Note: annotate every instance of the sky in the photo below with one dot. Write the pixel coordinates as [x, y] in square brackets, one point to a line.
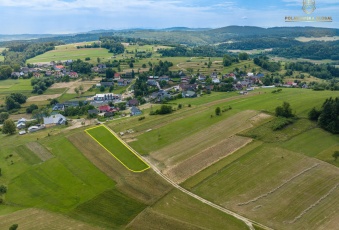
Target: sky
[74, 16]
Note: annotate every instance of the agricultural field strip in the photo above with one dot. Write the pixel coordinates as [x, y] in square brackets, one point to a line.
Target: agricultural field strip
[39, 150]
[315, 204]
[280, 186]
[122, 142]
[205, 158]
[35, 219]
[248, 222]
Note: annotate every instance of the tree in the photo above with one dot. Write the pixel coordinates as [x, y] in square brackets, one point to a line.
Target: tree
[3, 116]
[284, 110]
[77, 91]
[31, 108]
[335, 155]
[8, 127]
[243, 56]
[110, 73]
[11, 104]
[54, 101]
[14, 227]
[111, 88]
[217, 111]
[314, 114]
[98, 60]
[102, 89]
[3, 189]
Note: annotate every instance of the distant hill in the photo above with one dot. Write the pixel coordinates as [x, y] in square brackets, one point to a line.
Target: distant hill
[185, 35]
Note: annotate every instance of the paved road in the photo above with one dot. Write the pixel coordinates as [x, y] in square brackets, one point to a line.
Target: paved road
[247, 221]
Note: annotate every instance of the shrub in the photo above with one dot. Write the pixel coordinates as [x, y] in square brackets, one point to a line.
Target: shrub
[3, 189]
[281, 123]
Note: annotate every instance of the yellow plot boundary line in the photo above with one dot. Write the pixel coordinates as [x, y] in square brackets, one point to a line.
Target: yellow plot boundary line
[122, 142]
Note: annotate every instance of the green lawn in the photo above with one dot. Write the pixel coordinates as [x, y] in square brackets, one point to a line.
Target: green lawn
[117, 149]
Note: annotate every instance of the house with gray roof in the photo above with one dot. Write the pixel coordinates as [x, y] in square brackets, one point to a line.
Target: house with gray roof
[56, 119]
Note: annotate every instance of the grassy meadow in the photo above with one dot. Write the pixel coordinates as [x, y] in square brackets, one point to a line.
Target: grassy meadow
[117, 149]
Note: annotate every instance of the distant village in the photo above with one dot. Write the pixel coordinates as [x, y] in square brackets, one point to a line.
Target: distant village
[105, 104]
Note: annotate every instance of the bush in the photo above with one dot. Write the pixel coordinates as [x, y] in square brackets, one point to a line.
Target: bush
[141, 118]
[281, 122]
[3, 189]
[165, 109]
[30, 108]
[314, 114]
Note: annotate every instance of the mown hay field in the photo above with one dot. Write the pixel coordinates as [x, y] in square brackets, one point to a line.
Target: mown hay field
[118, 149]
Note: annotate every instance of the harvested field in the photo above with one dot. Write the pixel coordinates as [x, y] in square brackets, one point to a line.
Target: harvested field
[39, 150]
[43, 97]
[147, 187]
[205, 158]
[182, 150]
[36, 219]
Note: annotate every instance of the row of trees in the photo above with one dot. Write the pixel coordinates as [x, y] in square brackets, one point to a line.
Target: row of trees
[264, 63]
[184, 51]
[322, 71]
[112, 45]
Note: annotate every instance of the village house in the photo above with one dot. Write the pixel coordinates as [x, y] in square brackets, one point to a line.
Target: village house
[117, 76]
[73, 75]
[133, 102]
[107, 84]
[58, 107]
[189, 94]
[160, 96]
[135, 111]
[188, 87]
[123, 82]
[56, 119]
[59, 67]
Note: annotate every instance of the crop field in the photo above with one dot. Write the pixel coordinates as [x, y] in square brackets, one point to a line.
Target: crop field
[37, 219]
[122, 153]
[187, 150]
[179, 211]
[307, 195]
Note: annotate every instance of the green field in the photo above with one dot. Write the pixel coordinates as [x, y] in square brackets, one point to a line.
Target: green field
[106, 138]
